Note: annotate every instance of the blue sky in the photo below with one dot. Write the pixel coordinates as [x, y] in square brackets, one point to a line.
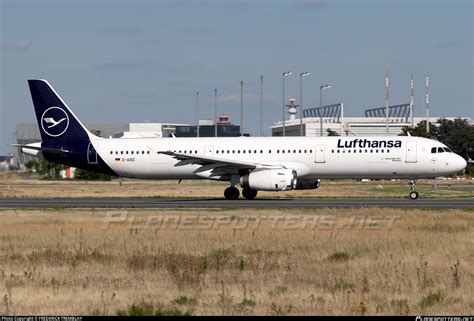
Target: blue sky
[124, 61]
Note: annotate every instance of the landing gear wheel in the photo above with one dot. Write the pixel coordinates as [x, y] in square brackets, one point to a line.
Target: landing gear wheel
[413, 195]
[231, 193]
[318, 183]
[249, 194]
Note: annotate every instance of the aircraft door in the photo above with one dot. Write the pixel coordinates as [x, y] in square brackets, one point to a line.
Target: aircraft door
[91, 154]
[411, 152]
[319, 154]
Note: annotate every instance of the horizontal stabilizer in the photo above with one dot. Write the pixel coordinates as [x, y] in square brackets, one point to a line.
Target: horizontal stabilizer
[41, 149]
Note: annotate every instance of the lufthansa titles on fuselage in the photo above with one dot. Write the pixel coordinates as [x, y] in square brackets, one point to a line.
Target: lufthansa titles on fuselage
[368, 143]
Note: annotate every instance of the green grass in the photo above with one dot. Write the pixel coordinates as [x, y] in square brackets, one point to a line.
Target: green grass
[148, 309]
[432, 299]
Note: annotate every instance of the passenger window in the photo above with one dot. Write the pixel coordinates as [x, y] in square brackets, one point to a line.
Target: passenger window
[433, 150]
[148, 152]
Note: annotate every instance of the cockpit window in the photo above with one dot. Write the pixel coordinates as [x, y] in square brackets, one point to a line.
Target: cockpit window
[440, 150]
[433, 150]
[447, 150]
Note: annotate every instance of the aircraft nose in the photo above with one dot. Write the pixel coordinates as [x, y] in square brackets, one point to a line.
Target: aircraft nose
[459, 163]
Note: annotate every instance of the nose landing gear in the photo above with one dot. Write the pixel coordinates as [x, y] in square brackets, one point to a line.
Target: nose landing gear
[413, 192]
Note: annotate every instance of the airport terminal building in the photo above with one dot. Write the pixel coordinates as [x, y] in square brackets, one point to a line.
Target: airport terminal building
[331, 117]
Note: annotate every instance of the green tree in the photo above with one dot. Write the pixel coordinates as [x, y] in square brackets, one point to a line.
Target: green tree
[50, 170]
[420, 130]
[457, 134]
[32, 165]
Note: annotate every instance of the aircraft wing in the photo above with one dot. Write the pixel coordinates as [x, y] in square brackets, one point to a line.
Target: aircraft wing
[204, 160]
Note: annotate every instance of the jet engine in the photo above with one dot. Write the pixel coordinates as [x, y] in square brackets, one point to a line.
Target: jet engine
[308, 183]
[270, 180]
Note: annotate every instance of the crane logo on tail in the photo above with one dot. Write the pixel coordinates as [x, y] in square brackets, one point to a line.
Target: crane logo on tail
[54, 121]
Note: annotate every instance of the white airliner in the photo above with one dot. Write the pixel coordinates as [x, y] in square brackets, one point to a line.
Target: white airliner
[254, 163]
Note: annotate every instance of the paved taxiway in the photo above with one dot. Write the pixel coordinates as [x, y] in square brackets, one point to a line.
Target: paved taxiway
[221, 203]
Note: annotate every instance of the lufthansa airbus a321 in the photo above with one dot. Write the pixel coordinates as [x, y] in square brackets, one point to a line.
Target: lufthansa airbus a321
[254, 163]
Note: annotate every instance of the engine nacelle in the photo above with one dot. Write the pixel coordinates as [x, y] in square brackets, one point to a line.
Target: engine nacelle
[308, 183]
[270, 180]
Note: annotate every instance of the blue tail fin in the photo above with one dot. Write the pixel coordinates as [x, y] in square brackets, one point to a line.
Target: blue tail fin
[55, 120]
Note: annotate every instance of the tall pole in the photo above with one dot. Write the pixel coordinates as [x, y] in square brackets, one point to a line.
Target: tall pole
[215, 112]
[197, 113]
[342, 119]
[427, 102]
[283, 101]
[386, 102]
[241, 108]
[321, 88]
[321, 111]
[261, 105]
[301, 100]
[411, 101]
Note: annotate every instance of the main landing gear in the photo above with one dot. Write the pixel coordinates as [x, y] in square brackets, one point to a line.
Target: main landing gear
[232, 193]
[249, 194]
[413, 192]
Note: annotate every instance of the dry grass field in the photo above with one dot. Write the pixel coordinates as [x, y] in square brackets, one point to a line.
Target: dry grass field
[13, 186]
[277, 262]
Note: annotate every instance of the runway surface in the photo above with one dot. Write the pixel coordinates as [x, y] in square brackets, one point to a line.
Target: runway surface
[221, 203]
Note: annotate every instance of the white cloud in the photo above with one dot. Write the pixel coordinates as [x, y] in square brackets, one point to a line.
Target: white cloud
[19, 45]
